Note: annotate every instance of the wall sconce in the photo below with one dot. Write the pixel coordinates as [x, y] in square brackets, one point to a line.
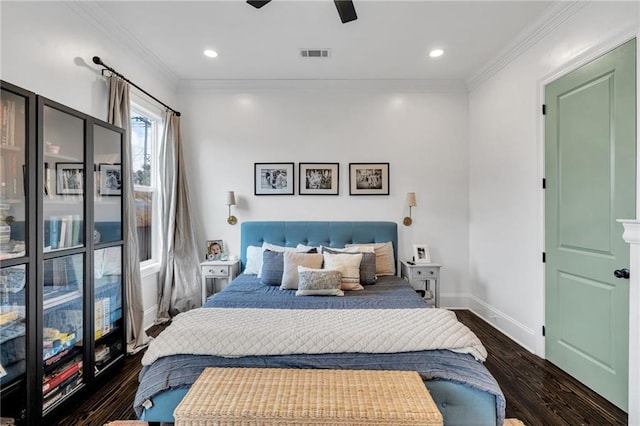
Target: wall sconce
[411, 202]
[231, 201]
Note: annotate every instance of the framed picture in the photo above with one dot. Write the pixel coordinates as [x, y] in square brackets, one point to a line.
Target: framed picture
[318, 178]
[421, 253]
[110, 179]
[215, 249]
[273, 178]
[69, 179]
[368, 178]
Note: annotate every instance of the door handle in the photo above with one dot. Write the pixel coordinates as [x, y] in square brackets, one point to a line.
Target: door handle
[621, 273]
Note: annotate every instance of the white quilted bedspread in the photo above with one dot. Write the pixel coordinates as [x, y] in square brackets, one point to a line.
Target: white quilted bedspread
[236, 332]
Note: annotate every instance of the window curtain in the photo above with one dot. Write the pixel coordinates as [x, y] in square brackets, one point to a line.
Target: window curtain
[180, 288]
[119, 114]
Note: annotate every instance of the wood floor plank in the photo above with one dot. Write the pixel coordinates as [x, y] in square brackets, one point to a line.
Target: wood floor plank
[537, 392]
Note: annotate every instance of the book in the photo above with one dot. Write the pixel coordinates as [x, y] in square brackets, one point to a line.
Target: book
[69, 235]
[57, 379]
[63, 233]
[53, 232]
[75, 233]
[97, 317]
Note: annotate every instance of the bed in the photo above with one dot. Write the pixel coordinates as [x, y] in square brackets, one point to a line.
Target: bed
[384, 326]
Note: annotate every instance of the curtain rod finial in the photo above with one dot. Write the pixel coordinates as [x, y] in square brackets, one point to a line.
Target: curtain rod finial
[97, 60]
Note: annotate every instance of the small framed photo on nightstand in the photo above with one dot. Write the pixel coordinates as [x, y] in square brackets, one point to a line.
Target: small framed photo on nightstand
[215, 250]
[421, 253]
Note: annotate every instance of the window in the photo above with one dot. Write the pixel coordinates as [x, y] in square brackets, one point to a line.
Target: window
[144, 162]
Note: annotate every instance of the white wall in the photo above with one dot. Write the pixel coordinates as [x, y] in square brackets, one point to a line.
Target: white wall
[423, 135]
[506, 168]
[46, 47]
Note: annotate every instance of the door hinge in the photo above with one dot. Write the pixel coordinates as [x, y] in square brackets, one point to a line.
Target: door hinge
[544, 183]
[544, 332]
[544, 109]
[544, 257]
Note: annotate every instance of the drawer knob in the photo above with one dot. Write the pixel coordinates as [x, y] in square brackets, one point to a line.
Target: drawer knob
[431, 272]
[419, 272]
[211, 271]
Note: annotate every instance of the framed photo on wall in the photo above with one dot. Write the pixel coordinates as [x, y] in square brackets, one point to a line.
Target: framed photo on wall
[69, 179]
[318, 178]
[421, 253]
[368, 178]
[273, 178]
[110, 179]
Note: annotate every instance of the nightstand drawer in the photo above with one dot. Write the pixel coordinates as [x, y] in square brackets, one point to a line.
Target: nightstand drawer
[423, 272]
[216, 271]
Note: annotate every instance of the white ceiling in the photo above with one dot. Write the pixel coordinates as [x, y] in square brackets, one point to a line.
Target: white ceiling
[389, 40]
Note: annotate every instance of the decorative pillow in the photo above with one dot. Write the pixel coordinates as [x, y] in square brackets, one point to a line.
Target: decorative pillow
[301, 248]
[385, 262]
[273, 247]
[254, 260]
[319, 282]
[272, 267]
[291, 263]
[367, 265]
[349, 266]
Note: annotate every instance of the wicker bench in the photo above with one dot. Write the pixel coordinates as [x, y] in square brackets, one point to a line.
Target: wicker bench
[273, 396]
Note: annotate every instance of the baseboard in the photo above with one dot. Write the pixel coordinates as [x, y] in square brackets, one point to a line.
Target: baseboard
[510, 327]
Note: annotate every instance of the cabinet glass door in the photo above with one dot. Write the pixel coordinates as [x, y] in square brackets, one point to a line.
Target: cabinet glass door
[63, 289]
[63, 327]
[107, 151]
[108, 287]
[64, 178]
[16, 105]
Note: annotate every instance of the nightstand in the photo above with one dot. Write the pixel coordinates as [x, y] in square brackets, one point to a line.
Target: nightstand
[420, 276]
[217, 269]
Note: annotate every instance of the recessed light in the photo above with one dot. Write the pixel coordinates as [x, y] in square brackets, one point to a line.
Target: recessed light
[436, 53]
[210, 53]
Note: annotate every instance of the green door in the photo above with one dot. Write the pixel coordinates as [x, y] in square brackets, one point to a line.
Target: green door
[590, 169]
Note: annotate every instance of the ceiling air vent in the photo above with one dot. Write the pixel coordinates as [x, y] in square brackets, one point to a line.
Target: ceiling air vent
[315, 53]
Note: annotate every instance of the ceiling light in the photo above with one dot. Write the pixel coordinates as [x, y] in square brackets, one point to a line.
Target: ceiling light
[210, 53]
[436, 52]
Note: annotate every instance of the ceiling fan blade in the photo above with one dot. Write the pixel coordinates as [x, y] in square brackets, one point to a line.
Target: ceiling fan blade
[346, 10]
[258, 3]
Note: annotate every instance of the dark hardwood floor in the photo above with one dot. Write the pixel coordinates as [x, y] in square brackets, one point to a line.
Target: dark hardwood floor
[537, 392]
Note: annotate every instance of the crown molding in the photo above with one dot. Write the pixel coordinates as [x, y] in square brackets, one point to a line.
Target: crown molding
[555, 15]
[401, 85]
[99, 18]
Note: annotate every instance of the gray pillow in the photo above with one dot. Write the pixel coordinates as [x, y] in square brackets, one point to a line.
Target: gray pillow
[367, 265]
[272, 267]
[319, 282]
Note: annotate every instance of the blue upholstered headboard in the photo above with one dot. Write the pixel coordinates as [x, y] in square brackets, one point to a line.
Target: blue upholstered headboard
[330, 234]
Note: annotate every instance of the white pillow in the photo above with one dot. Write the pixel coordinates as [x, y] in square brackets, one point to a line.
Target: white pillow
[254, 260]
[291, 262]
[349, 266]
[385, 262]
[301, 248]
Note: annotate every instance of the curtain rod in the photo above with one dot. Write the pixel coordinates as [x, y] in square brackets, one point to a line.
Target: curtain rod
[98, 61]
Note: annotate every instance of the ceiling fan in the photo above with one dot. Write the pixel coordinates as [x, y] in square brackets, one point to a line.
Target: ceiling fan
[346, 10]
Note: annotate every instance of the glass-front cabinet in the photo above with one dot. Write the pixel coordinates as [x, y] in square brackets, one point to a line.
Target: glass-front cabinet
[62, 310]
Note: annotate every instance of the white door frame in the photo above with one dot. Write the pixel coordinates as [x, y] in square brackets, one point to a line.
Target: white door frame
[634, 307]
